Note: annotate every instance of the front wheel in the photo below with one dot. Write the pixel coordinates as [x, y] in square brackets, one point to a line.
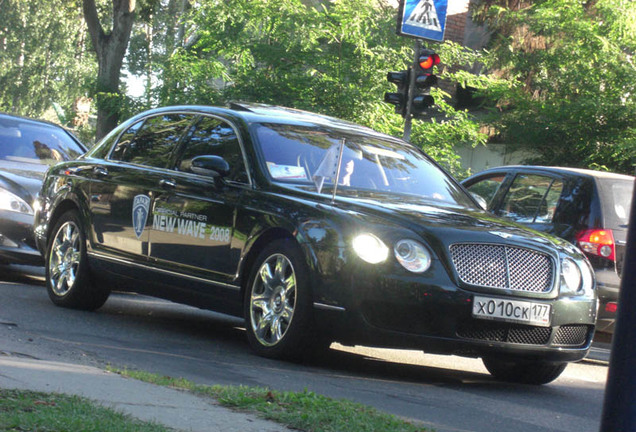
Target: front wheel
[277, 304]
[67, 274]
[523, 371]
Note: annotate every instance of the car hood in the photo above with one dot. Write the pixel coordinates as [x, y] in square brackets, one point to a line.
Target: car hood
[438, 222]
[23, 179]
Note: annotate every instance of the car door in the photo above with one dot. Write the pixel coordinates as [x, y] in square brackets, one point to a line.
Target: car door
[125, 184]
[193, 219]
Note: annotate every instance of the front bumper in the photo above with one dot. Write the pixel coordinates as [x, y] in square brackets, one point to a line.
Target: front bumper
[17, 243]
[433, 314]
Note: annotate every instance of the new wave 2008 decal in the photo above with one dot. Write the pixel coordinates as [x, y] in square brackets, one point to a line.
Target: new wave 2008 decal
[141, 204]
[188, 224]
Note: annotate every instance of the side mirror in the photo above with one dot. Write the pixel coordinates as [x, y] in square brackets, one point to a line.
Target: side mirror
[211, 166]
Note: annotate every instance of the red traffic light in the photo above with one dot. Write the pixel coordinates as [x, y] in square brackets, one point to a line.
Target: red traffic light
[428, 59]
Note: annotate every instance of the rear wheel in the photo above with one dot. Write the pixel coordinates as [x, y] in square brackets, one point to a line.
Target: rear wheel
[67, 274]
[277, 304]
[523, 371]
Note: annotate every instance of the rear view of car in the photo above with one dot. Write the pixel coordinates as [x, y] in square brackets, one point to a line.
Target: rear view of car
[27, 149]
[604, 241]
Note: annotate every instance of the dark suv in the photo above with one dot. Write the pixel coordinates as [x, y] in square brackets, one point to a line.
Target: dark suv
[587, 208]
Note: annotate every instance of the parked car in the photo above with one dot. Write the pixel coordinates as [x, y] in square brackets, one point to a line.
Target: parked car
[27, 148]
[587, 208]
[314, 230]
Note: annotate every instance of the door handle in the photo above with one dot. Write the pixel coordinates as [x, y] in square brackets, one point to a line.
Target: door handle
[167, 184]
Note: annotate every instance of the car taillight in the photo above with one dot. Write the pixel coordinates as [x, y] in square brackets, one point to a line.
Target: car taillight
[597, 242]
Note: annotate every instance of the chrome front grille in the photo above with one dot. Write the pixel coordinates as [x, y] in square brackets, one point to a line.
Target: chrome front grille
[505, 267]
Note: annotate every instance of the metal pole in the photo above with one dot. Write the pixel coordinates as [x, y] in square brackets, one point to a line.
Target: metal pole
[619, 407]
[408, 117]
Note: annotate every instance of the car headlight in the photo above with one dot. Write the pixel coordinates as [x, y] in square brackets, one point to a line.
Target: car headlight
[571, 275]
[587, 276]
[12, 202]
[370, 248]
[412, 255]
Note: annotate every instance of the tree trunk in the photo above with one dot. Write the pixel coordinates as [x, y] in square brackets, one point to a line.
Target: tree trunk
[110, 48]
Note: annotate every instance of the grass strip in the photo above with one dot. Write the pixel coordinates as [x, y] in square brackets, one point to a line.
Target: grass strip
[51, 412]
[304, 411]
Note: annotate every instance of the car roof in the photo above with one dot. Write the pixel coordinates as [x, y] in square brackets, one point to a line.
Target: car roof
[28, 120]
[262, 113]
[559, 170]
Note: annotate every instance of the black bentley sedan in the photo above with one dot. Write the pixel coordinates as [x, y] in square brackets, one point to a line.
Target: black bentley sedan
[314, 230]
[27, 148]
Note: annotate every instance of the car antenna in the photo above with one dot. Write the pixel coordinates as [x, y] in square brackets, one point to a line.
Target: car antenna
[335, 186]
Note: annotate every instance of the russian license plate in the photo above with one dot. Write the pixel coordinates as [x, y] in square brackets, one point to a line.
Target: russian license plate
[516, 311]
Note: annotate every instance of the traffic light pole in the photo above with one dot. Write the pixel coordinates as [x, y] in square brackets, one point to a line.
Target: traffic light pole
[408, 117]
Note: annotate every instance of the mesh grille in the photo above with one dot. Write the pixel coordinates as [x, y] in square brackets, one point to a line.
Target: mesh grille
[529, 335]
[572, 335]
[498, 266]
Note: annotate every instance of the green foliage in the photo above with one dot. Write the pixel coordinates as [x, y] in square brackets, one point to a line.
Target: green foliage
[43, 56]
[306, 411]
[331, 59]
[30, 411]
[571, 80]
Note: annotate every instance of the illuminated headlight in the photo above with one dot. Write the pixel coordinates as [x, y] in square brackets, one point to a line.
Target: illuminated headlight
[412, 255]
[571, 275]
[12, 202]
[370, 248]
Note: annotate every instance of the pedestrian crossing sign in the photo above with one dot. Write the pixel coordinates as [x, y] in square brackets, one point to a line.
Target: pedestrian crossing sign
[423, 19]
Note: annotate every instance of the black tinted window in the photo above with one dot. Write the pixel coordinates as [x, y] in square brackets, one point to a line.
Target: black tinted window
[214, 137]
[152, 142]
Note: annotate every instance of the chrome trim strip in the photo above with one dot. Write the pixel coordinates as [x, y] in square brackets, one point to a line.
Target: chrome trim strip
[329, 307]
[169, 272]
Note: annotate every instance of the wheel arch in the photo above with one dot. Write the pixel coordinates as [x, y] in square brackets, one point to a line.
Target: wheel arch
[265, 238]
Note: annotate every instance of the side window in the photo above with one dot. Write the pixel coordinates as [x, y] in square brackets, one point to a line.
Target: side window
[214, 137]
[487, 188]
[549, 204]
[532, 198]
[123, 148]
[153, 142]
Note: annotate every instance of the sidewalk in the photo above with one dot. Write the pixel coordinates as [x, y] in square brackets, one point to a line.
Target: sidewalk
[173, 408]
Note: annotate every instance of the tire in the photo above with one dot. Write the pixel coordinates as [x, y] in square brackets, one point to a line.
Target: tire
[277, 303]
[68, 279]
[535, 372]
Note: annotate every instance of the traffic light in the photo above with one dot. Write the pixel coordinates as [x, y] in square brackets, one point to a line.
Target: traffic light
[424, 80]
[401, 97]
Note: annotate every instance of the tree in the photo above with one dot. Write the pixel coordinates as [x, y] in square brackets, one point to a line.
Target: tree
[330, 58]
[43, 58]
[570, 79]
[110, 48]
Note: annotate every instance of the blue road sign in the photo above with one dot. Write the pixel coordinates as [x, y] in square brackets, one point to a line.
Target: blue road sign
[425, 19]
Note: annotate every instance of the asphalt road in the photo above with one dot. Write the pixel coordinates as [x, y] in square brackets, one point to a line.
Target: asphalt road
[446, 393]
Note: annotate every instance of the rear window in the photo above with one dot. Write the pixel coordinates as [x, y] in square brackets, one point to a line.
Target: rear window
[616, 196]
[36, 143]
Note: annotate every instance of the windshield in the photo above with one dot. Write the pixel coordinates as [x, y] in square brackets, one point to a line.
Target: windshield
[309, 155]
[36, 143]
